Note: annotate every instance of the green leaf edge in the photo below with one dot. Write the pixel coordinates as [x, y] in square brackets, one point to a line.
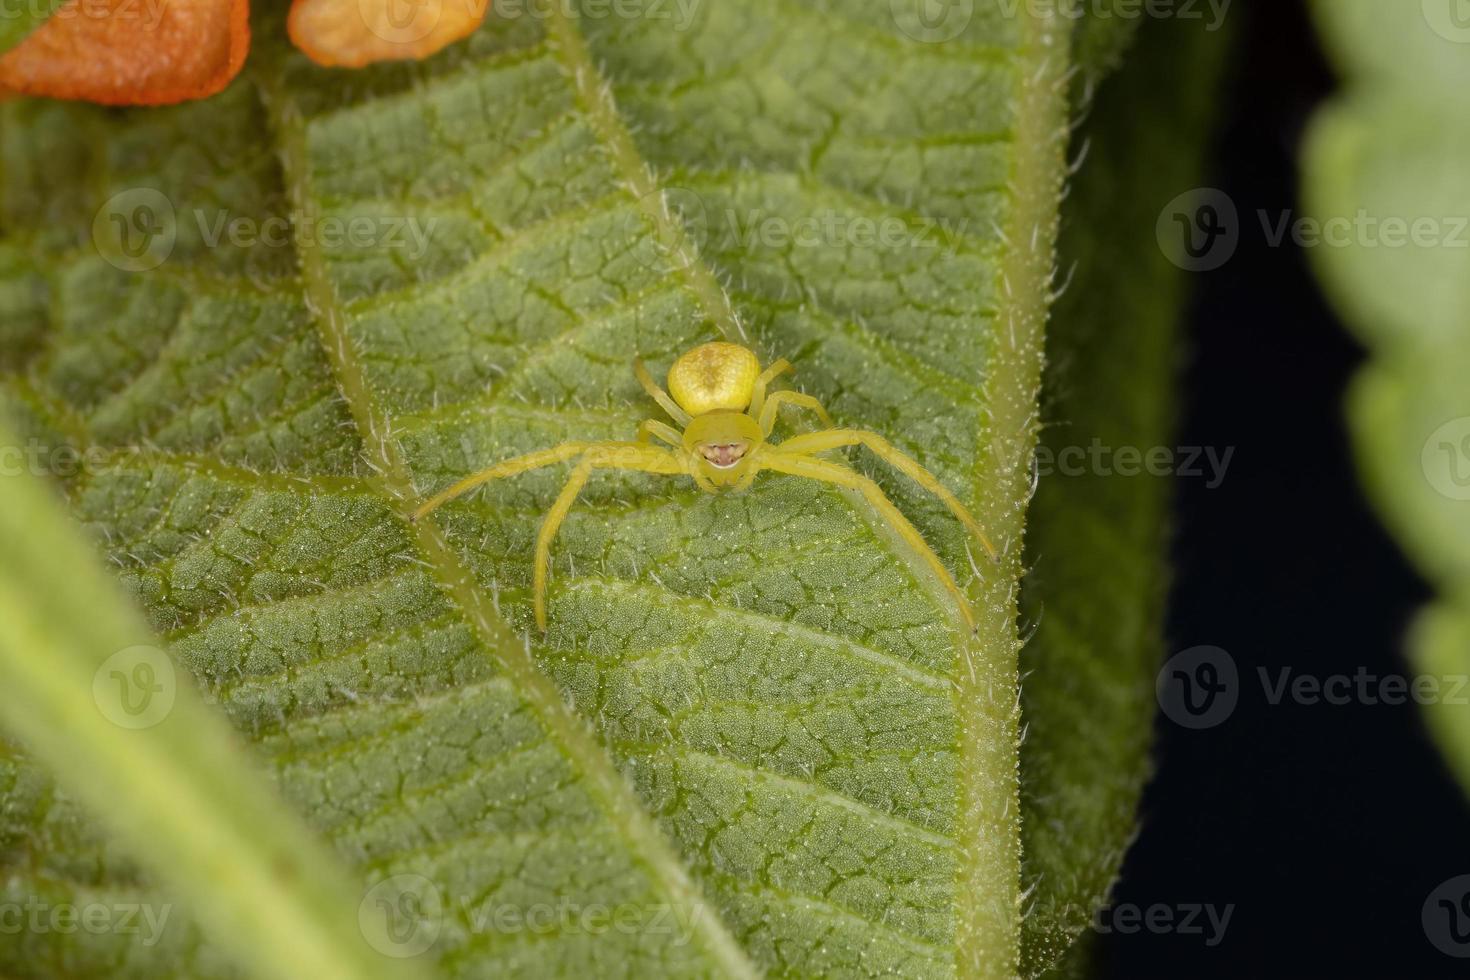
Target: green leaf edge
[1086, 757]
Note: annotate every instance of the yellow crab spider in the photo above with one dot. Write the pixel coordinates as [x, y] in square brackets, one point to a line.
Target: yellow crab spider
[717, 394]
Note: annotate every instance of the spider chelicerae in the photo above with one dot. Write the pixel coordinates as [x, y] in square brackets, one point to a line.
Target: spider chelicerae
[718, 394]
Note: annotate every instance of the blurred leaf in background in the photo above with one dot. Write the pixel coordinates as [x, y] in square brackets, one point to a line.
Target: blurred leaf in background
[1385, 172]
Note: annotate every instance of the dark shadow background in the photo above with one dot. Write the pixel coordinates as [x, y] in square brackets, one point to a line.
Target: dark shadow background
[1327, 827]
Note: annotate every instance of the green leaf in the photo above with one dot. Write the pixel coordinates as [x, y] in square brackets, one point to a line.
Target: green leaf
[161, 768]
[18, 20]
[1386, 162]
[1098, 541]
[753, 737]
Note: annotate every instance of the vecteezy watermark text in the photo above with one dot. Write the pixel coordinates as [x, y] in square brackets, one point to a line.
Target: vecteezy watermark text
[309, 229]
[1098, 459]
[406, 914]
[1213, 12]
[36, 915]
[937, 21]
[39, 457]
[137, 229]
[1205, 920]
[760, 229]
[1202, 919]
[147, 12]
[1365, 230]
[679, 13]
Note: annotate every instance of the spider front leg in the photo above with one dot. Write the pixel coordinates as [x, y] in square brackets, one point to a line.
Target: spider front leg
[818, 469]
[758, 392]
[652, 429]
[658, 394]
[795, 398]
[816, 442]
[603, 456]
[508, 467]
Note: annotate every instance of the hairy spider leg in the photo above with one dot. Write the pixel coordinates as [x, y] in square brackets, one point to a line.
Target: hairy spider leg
[816, 442]
[664, 399]
[758, 391]
[652, 428]
[508, 467]
[795, 399]
[604, 456]
[825, 472]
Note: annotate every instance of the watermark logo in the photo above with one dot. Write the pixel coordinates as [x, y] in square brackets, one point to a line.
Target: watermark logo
[401, 21]
[135, 687]
[681, 231]
[1199, 687]
[402, 916]
[1446, 459]
[1450, 19]
[932, 21]
[1199, 230]
[136, 229]
[1446, 917]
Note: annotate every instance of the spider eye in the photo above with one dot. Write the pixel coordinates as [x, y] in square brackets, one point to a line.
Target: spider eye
[714, 377]
[723, 454]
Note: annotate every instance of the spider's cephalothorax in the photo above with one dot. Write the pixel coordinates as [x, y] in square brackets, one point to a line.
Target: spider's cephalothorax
[717, 393]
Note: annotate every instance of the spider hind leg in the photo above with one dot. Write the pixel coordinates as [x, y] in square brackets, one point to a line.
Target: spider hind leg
[816, 442]
[603, 456]
[827, 472]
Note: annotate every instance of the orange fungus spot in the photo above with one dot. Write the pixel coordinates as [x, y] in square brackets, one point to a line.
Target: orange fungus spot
[353, 33]
[131, 52]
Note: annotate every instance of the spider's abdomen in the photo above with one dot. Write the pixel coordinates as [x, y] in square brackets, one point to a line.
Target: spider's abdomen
[713, 377]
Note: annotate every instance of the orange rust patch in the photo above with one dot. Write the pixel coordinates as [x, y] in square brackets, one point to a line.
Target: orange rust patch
[353, 33]
[131, 52]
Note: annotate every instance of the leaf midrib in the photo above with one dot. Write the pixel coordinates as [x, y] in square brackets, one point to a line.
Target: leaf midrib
[510, 653]
[594, 95]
